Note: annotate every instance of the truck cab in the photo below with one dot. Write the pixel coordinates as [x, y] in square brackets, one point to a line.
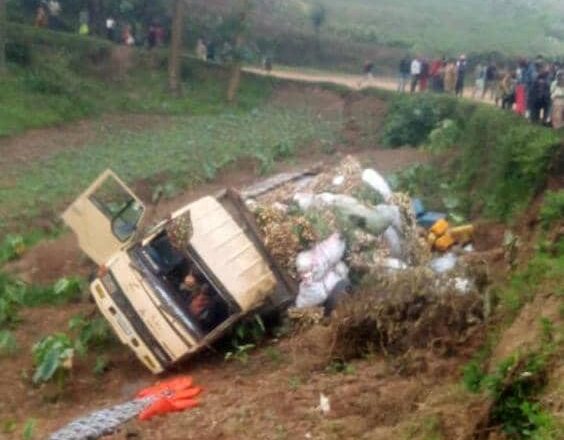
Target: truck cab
[141, 286]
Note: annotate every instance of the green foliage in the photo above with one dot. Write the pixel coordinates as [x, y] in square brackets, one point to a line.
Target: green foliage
[67, 288]
[52, 357]
[240, 353]
[90, 333]
[503, 160]
[340, 367]
[473, 376]
[12, 295]
[15, 294]
[192, 149]
[543, 267]
[444, 137]
[29, 429]
[411, 119]
[513, 386]
[12, 248]
[101, 365]
[515, 408]
[317, 15]
[8, 343]
[246, 336]
[552, 210]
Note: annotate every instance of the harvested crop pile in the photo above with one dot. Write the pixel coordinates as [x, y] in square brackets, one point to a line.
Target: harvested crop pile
[285, 236]
[415, 309]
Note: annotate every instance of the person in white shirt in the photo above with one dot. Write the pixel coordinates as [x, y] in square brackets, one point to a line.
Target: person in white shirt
[415, 73]
[111, 28]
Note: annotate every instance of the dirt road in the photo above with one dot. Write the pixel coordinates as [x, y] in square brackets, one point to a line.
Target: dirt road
[354, 82]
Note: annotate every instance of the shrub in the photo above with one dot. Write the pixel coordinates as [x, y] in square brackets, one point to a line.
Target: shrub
[411, 119]
[503, 160]
[18, 53]
[552, 209]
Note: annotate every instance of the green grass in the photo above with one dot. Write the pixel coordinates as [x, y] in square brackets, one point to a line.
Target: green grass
[52, 93]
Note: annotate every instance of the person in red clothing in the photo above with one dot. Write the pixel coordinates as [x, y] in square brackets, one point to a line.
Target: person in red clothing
[424, 78]
[437, 73]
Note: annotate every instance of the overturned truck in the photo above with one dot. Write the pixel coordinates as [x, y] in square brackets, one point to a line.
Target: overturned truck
[175, 289]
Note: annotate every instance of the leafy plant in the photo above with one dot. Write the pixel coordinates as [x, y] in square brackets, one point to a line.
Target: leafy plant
[67, 287]
[8, 343]
[101, 365]
[12, 248]
[444, 137]
[240, 352]
[473, 376]
[246, 337]
[91, 333]
[552, 210]
[53, 358]
[29, 429]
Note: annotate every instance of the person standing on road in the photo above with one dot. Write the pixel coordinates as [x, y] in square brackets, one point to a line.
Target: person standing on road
[507, 88]
[437, 73]
[415, 71]
[491, 78]
[460, 75]
[479, 80]
[450, 77]
[521, 89]
[404, 72]
[557, 95]
[41, 18]
[111, 28]
[529, 77]
[424, 77]
[540, 98]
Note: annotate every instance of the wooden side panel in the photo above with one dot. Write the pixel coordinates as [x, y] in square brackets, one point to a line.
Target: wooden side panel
[230, 254]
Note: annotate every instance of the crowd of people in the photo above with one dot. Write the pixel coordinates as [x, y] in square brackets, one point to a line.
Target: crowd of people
[48, 15]
[531, 88]
[439, 75]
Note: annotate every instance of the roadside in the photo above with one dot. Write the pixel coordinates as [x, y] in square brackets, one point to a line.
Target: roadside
[354, 82]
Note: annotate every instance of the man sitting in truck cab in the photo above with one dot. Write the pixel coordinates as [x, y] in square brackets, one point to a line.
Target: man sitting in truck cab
[202, 302]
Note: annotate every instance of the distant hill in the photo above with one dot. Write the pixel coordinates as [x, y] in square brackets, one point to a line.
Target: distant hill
[383, 29]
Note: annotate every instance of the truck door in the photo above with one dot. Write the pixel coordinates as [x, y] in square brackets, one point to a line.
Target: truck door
[105, 217]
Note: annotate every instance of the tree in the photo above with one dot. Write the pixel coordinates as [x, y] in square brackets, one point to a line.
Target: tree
[318, 16]
[96, 11]
[175, 57]
[3, 24]
[240, 30]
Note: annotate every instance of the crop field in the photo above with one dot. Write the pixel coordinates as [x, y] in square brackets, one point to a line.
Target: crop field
[189, 150]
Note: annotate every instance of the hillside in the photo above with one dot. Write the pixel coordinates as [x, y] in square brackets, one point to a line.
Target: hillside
[355, 30]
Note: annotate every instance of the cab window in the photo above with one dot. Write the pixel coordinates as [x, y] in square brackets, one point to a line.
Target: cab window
[119, 206]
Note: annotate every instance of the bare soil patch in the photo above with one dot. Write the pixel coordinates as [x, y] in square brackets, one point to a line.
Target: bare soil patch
[40, 144]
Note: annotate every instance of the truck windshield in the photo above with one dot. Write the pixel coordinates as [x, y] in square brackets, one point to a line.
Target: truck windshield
[164, 256]
[186, 285]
